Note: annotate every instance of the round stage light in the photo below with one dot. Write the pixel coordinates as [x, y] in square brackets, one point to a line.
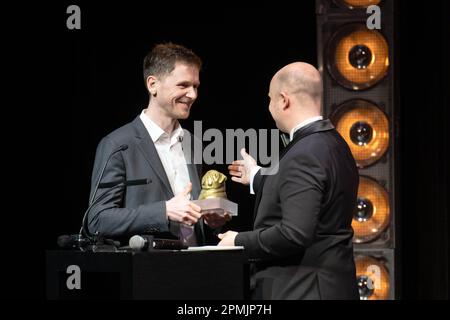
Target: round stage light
[372, 278]
[365, 128]
[357, 58]
[372, 212]
[352, 4]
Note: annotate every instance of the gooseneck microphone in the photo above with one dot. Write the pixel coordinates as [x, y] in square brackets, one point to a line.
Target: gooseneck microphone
[85, 240]
[84, 230]
[121, 148]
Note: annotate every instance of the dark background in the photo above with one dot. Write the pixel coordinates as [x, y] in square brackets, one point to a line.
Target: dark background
[94, 84]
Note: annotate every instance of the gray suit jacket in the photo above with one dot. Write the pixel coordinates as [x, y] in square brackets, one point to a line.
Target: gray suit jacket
[140, 209]
[302, 238]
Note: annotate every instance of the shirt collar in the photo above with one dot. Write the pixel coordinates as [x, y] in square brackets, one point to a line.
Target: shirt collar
[302, 124]
[156, 132]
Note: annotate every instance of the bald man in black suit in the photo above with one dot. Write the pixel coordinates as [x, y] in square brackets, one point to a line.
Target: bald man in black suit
[301, 244]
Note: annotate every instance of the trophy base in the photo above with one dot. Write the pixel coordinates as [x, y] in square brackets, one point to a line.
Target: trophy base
[217, 205]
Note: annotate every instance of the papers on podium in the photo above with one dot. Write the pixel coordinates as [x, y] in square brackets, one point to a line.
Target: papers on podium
[214, 248]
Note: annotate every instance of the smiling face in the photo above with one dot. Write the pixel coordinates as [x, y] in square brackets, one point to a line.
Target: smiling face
[177, 91]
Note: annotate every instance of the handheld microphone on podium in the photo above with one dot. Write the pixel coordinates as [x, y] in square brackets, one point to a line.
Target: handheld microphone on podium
[93, 200]
[141, 243]
[148, 242]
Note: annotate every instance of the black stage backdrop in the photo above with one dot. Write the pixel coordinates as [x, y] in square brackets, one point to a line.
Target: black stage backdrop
[95, 85]
[424, 85]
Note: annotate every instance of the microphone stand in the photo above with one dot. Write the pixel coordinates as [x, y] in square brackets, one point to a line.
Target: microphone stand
[116, 184]
[96, 242]
[84, 240]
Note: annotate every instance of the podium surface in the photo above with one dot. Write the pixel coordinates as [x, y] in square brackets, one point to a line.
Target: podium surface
[156, 274]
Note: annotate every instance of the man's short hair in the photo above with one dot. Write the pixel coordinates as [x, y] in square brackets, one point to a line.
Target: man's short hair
[161, 59]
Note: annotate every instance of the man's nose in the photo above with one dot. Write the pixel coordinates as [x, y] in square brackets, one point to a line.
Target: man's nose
[192, 93]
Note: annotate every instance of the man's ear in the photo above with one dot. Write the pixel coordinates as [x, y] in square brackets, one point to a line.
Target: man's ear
[285, 102]
[151, 85]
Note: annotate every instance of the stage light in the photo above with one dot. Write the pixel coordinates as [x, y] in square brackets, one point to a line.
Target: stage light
[372, 278]
[359, 68]
[357, 58]
[365, 128]
[372, 212]
[352, 4]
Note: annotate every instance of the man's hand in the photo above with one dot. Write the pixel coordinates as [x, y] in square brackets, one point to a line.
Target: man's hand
[215, 220]
[227, 238]
[240, 169]
[180, 209]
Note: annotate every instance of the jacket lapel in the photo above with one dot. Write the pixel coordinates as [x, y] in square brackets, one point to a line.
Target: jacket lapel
[193, 175]
[317, 126]
[147, 147]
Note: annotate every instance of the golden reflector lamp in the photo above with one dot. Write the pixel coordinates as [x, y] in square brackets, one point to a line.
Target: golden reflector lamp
[365, 128]
[357, 58]
[372, 278]
[352, 4]
[371, 215]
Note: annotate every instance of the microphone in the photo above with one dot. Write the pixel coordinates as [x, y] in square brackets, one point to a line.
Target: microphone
[77, 241]
[121, 148]
[141, 243]
[84, 240]
[72, 241]
[148, 243]
[83, 229]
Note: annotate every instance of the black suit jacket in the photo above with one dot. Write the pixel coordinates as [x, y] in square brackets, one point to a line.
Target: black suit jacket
[301, 245]
[141, 209]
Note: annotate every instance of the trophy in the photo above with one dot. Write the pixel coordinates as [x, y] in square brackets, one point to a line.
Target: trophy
[213, 197]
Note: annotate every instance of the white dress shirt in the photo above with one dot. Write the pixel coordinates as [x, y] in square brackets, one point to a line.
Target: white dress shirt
[302, 124]
[291, 136]
[170, 152]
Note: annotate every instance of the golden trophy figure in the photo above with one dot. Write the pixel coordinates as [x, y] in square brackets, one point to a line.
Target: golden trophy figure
[213, 197]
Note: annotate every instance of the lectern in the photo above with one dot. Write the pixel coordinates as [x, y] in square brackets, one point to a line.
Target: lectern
[156, 274]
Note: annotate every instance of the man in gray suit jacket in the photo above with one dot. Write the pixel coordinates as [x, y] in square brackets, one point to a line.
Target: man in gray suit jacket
[154, 152]
[301, 244]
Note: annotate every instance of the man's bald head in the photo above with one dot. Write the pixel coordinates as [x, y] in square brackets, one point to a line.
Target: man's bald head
[301, 81]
